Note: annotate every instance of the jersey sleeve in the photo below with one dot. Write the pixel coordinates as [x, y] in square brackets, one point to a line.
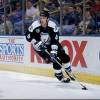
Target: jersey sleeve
[55, 34]
[55, 40]
[28, 35]
[30, 31]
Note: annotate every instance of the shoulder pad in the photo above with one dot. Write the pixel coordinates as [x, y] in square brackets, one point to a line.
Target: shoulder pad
[34, 25]
[53, 25]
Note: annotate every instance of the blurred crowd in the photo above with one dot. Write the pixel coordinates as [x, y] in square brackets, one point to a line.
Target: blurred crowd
[70, 15]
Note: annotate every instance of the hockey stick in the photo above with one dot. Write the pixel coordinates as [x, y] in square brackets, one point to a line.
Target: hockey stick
[69, 74]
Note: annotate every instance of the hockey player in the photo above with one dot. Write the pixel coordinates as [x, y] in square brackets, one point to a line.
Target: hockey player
[44, 35]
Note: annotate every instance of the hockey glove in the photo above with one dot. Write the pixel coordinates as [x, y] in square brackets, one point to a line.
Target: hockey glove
[53, 56]
[53, 53]
[38, 46]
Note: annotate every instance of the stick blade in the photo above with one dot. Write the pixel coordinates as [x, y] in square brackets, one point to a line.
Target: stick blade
[84, 88]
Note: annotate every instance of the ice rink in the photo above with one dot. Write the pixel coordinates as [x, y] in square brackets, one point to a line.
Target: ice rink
[24, 86]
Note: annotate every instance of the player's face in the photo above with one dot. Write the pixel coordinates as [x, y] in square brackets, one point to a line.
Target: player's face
[43, 21]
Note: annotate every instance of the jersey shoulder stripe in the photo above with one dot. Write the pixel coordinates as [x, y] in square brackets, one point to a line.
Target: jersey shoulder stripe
[53, 25]
[34, 25]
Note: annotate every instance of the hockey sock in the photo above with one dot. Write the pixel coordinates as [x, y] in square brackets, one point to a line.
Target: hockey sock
[67, 67]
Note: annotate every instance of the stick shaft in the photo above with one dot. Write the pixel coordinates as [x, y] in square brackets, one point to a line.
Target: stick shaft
[69, 74]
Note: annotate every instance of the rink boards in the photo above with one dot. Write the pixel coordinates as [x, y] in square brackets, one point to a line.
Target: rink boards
[16, 54]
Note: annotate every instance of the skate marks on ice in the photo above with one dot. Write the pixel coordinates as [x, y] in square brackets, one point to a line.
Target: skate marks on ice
[53, 83]
[42, 80]
[33, 79]
[1, 93]
[22, 86]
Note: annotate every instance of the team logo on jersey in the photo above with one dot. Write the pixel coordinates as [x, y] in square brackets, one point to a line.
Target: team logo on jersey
[37, 30]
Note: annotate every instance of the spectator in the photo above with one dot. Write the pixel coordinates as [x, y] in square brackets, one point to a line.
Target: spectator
[89, 3]
[79, 14]
[34, 1]
[16, 18]
[66, 2]
[96, 6]
[69, 21]
[76, 1]
[30, 14]
[72, 17]
[6, 28]
[31, 11]
[71, 1]
[90, 24]
[96, 12]
[52, 5]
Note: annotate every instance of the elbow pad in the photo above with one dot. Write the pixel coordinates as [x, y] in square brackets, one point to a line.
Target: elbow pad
[28, 36]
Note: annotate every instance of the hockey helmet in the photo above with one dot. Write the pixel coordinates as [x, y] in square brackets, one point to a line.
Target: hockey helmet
[44, 13]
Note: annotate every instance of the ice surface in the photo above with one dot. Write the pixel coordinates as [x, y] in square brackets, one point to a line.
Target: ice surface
[24, 86]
